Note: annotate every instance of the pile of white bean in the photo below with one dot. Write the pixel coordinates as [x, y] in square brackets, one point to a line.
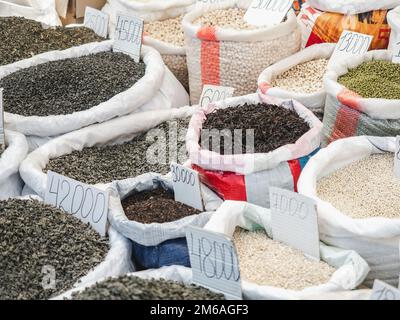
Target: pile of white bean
[168, 30]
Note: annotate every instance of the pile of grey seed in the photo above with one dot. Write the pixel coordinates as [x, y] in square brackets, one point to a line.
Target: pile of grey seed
[152, 151]
[70, 85]
[364, 189]
[38, 244]
[135, 288]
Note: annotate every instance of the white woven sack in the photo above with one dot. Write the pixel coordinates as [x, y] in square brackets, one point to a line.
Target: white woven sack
[116, 131]
[375, 239]
[155, 233]
[157, 89]
[16, 151]
[312, 101]
[393, 18]
[352, 6]
[43, 11]
[234, 58]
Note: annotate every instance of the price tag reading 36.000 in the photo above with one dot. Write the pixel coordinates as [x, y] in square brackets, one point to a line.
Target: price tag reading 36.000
[97, 21]
[87, 203]
[214, 262]
[128, 35]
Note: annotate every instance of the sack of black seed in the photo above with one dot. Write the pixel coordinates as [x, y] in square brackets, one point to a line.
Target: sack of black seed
[60, 253]
[149, 215]
[61, 91]
[242, 146]
[16, 150]
[115, 150]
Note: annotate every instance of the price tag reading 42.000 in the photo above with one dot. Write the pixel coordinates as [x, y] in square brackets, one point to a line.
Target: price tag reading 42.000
[128, 35]
[97, 21]
[214, 93]
[85, 202]
[383, 291]
[214, 262]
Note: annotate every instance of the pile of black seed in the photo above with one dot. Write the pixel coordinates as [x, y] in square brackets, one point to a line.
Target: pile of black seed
[155, 206]
[69, 85]
[116, 162]
[134, 288]
[274, 126]
[34, 236]
[21, 38]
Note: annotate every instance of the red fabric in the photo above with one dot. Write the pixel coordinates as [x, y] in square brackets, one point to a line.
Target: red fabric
[349, 98]
[221, 182]
[295, 169]
[313, 39]
[209, 59]
[346, 124]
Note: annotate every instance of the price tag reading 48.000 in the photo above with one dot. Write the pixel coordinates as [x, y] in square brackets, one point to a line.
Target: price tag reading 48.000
[85, 202]
[214, 262]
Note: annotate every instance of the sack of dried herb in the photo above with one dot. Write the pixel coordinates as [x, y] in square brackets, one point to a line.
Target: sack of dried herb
[71, 107]
[362, 97]
[284, 134]
[118, 149]
[10, 160]
[356, 191]
[154, 221]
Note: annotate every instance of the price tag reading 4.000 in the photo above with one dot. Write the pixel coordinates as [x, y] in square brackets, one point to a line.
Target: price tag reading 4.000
[214, 93]
[383, 291]
[128, 35]
[214, 262]
[97, 21]
[83, 201]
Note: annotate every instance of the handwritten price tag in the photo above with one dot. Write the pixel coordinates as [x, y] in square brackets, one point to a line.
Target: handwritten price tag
[294, 221]
[85, 202]
[396, 51]
[267, 12]
[350, 44]
[2, 134]
[383, 291]
[214, 262]
[186, 184]
[200, 3]
[397, 158]
[97, 21]
[214, 93]
[128, 35]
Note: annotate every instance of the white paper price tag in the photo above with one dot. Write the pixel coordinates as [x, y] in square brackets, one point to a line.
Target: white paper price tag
[2, 134]
[396, 51]
[83, 201]
[128, 35]
[350, 44]
[214, 93]
[186, 184]
[97, 21]
[201, 3]
[294, 221]
[267, 12]
[384, 291]
[214, 262]
[397, 158]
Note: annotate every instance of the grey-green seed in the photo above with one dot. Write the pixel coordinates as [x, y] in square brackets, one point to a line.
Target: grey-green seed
[34, 235]
[116, 162]
[70, 85]
[135, 288]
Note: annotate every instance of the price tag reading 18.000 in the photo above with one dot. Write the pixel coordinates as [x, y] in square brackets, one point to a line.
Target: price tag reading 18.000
[294, 221]
[186, 184]
[85, 202]
[214, 262]
[214, 93]
[2, 135]
[350, 44]
[97, 21]
[267, 12]
[383, 291]
[128, 35]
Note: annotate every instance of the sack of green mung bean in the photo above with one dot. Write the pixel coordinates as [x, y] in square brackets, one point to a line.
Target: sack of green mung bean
[40, 10]
[363, 97]
[222, 49]
[357, 195]
[149, 216]
[16, 149]
[393, 18]
[299, 77]
[115, 150]
[243, 145]
[62, 91]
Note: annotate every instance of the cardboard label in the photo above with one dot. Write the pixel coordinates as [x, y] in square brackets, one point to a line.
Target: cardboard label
[384, 291]
[294, 221]
[396, 50]
[186, 184]
[214, 262]
[97, 21]
[267, 12]
[350, 44]
[83, 201]
[128, 35]
[214, 93]
[397, 158]
[2, 134]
